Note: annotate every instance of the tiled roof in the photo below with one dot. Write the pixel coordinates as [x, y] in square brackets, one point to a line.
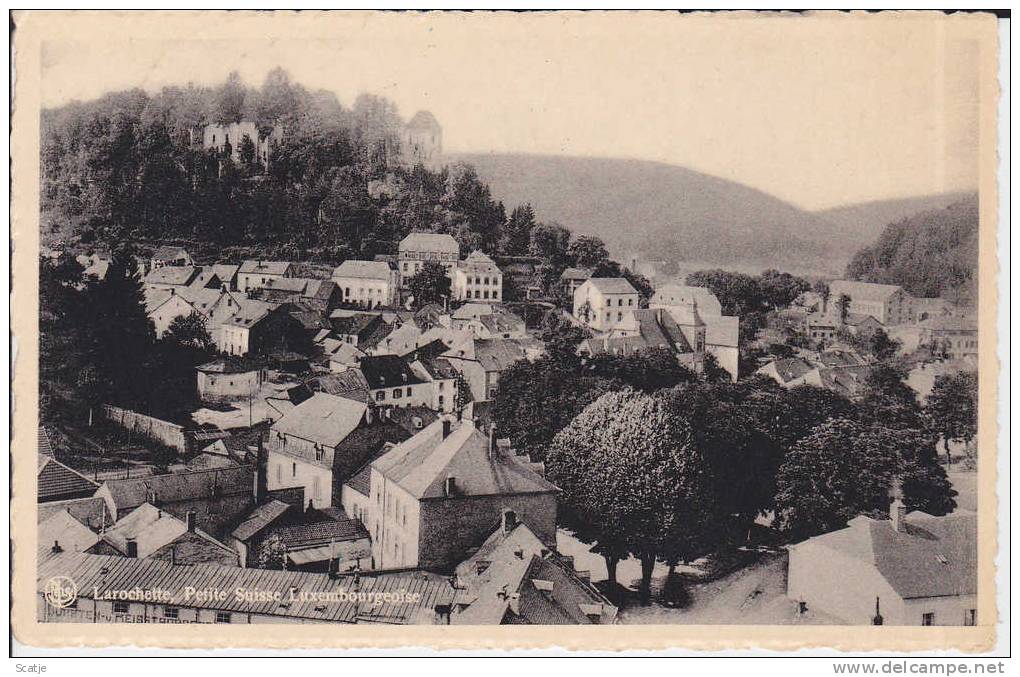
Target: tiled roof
[930, 556]
[106, 573]
[369, 270]
[177, 487]
[264, 267]
[430, 242]
[324, 419]
[387, 371]
[45, 447]
[422, 464]
[56, 480]
[329, 525]
[612, 285]
[174, 275]
[225, 271]
[259, 518]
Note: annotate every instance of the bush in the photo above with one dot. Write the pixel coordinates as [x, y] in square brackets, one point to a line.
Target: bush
[675, 594]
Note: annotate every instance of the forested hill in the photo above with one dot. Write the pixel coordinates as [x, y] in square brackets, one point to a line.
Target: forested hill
[131, 165]
[934, 253]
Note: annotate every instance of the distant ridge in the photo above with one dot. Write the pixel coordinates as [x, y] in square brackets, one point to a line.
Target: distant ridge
[867, 220]
[660, 211]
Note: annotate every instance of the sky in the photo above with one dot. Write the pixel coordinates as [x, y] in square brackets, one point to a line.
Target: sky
[818, 111]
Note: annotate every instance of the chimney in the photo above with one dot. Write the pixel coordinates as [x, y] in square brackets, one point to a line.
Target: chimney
[447, 426]
[451, 486]
[189, 520]
[443, 614]
[56, 549]
[509, 521]
[492, 440]
[132, 547]
[898, 515]
[308, 508]
[261, 468]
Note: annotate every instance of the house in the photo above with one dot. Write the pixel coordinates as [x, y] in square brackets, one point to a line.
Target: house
[225, 379]
[169, 255]
[62, 532]
[887, 303]
[649, 328]
[829, 326]
[90, 511]
[321, 296]
[341, 356]
[57, 482]
[678, 295]
[227, 274]
[360, 329]
[169, 277]
[428, 363]
[572, 278]
[217, 497]
[402, 339]
[421, 140]
[322, 540]
[912, 569]
[417, 248]
[99, 578]
[481, 361]
[951, 336]
[259, 328]
[495, 324]
[787, 372]
[164, 306]
[477, 277]
[254, 274]
[368, 284]
[433, 498]
[392, 382]
[601, 302]
[151, 533]
[305, 446]
[516, 578]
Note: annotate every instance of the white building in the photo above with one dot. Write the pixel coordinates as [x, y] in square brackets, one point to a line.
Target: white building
[303, 445]
[477, 278]
[367, 283]
[915, 569]
[254, 274]
[887, 303]
[602, 302]
[417, 248]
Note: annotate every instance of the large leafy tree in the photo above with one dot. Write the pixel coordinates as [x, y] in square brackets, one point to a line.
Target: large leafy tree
[845, 468]
[429, 285]
[630, 470]
[587, 251]
[951, 408]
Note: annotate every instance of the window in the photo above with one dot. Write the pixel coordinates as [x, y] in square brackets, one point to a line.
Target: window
[293, 469]
[408, 391]
[630, 302]
[440, 401]
[928, 618]
[970, 617]
[396, 393]
[279, 472]
[619, 316]
[380, 396]
[171, 612]
[120, 607]
[222, 616]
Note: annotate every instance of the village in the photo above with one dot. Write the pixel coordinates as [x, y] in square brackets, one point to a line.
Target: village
[346, 440]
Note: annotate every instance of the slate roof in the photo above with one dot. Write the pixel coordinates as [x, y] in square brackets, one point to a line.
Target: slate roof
[387, 371]
[122, 573]
[177, 487]
[168, 253]
[325, 526]
[931, 556]
[56, 480]
[491, 354]
[152, 529]
[324, 419]
[227, 272]
[369, 270]
[264, 267]
[90, 511]
[223, 365]
[250, 313]
[174, 275]
[790, 368]
[45, 447]
[64, 529]
[612, 285]
[259, 518]
[472, 310]
[421, 465]
[430, 242]
[861, 291]
[949, 323]
[677, 294]
[478, 262]
[575, 274]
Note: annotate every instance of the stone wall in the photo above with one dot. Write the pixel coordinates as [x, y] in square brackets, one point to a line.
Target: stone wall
[164, 432]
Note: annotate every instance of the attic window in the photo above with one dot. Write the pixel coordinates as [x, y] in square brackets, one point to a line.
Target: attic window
[543, 585]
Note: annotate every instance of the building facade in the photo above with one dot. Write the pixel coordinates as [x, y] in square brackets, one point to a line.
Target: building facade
[477, 278]
[368, 284]
[417, 248]
[602, 302]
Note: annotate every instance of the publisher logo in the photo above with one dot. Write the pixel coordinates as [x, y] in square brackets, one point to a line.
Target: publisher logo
[60, 592]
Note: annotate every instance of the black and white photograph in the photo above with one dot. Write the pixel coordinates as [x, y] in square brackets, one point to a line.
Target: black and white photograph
[448, 319]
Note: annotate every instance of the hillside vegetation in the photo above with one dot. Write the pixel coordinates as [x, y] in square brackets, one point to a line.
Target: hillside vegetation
[934, 253]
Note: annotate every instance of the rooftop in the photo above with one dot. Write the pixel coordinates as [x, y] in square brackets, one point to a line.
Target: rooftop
[861, 291]
[177, 487]
[369, 270]
[324, 419]
[257, 267]
[612, 285]
[56, 480]
[430, 242]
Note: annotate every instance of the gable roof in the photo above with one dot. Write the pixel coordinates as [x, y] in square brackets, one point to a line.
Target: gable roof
[90, 511]
[254, 266]
[177, 487]
[152, 529]
[423, 119]
[492, 354]
[225, 271]
[676, 294]
[387, 371]
[790, 368]
[862, 291]
[612, 285]
[44, 446]
[321, 527]
[64, 530]
[430, 242]
[172, 275]
[930, 557]
[422, 464]
[369, 270]
[323, 418]
[56, 480]
[575, 274]
[259, 518]
[168, 253]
